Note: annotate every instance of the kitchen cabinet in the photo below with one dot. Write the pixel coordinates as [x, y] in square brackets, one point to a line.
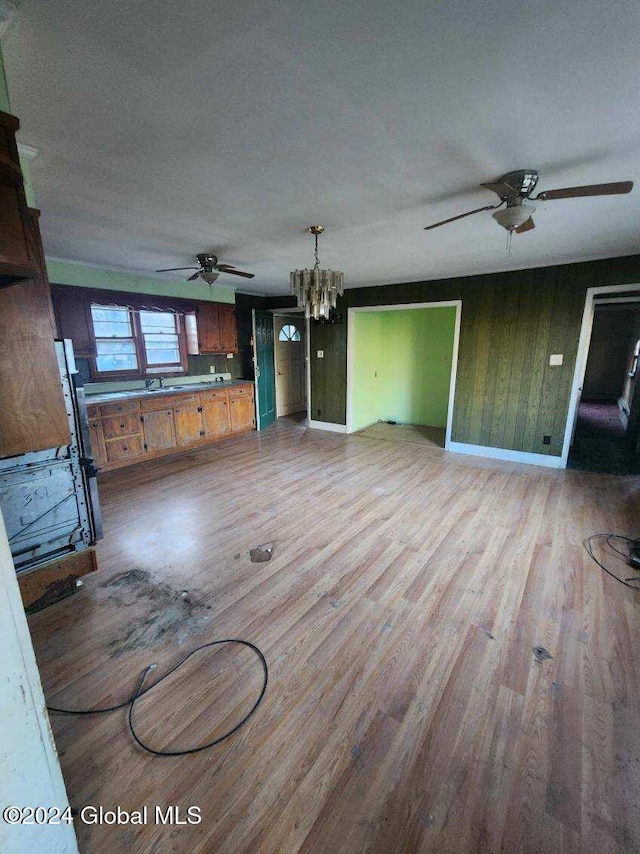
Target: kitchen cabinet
[73, 319]
[155, 424]
[18, 258]
[242, 412]
[215, 414]
[159, 430]
[217, 328]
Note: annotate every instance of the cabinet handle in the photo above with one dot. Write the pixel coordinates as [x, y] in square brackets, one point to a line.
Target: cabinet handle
[199, 409]
[142, 418]
[125, 448]
[122, 426]
[202, 432]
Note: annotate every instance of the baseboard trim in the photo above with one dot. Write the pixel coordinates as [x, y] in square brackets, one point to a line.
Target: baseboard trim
[506, 455]
[327, 425]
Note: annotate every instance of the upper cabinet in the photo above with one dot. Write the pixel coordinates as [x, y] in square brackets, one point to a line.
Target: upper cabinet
[17, 259]
[72, 308]
[217, 331]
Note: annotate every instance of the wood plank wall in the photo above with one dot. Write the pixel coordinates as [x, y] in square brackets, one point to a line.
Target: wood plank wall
[507, 396]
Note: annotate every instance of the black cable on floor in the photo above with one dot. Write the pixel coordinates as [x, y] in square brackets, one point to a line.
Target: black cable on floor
[130, 703]
[608, 537]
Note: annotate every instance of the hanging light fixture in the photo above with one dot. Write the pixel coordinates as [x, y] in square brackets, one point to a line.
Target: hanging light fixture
[317, 290]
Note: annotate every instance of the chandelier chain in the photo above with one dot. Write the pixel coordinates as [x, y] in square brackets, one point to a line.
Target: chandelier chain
[317, 265]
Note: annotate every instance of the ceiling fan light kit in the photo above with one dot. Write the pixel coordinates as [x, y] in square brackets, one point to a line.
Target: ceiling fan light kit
[317, 290]
[513, 216]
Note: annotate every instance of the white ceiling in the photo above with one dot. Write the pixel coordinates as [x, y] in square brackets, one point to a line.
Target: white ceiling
[167, 129]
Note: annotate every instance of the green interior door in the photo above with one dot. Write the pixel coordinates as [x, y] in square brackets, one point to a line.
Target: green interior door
[265, 375]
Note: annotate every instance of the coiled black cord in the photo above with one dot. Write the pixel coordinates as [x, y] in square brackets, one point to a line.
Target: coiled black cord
[130, 703]
[609, 537]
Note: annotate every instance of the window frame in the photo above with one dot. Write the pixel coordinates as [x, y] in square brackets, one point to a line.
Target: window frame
[144, 369]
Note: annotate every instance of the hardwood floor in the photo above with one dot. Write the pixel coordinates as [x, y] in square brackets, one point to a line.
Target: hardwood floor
[406, 709]
[414, 434]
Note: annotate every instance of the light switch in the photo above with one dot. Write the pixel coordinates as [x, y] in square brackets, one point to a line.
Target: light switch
[555, 359]
[320, 354]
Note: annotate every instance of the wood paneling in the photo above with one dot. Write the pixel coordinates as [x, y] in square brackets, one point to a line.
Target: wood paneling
[406, 710]
[73, 319]
[507, 394]
[32, 411]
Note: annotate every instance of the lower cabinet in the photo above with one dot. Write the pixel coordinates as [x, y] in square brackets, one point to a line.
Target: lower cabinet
[243, 414]
[159, 430]
[215, 416]
[125, 432]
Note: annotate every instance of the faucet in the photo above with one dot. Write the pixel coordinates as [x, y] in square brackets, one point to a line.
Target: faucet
[161, 381]
[149, 382]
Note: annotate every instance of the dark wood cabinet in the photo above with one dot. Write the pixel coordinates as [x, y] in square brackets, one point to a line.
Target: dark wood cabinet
[228, 328]
[217, 330]
[73, 319]
[18, 260]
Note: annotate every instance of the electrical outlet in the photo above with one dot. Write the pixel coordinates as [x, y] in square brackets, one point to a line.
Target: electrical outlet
[546, 440]
[320, 354]
[212, 369]
[556, 359]
[229, 355]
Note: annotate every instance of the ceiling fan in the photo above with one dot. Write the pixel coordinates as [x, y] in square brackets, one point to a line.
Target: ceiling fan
[516, 187]
[209, 269]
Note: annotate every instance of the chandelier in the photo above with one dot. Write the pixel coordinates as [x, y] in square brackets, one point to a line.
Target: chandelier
[317, 290]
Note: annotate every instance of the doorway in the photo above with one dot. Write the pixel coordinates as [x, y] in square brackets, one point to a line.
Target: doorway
[607, 420]
[290, 359]
[401, 371]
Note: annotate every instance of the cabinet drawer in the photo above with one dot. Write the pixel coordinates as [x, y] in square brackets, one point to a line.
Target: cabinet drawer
[125, 425]
[124, 449]
[154, 403]
[185, 400]
[241, 391]
[213, 395]
[123, 408]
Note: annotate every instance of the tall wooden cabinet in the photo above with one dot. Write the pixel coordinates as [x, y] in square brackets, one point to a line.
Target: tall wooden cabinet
[18, 256]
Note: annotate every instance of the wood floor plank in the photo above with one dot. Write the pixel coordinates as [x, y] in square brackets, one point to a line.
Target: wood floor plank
[449, 672]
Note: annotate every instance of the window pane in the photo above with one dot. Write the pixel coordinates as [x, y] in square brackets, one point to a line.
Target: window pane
[158, 321]
[113, 322]
[289, 333]
[116, 355]
[163, 357]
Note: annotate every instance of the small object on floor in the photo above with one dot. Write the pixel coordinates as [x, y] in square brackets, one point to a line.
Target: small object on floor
[261, 554]
[185, 597]
[392, 422]
[634, 555]
[541, 654]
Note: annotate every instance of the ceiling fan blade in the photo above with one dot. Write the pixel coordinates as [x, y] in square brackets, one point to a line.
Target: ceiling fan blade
[501, 188]
[171, 269]
[236, 272]
[194, 277]
[526, 226]
[616, 189]
[462, 216]
[225, 267]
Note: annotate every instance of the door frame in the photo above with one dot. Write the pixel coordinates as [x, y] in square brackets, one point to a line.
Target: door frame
[285, 312]
[457, 304]
[582, 355]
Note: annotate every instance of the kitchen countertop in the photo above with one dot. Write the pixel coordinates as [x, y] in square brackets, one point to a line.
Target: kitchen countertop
[111, 396]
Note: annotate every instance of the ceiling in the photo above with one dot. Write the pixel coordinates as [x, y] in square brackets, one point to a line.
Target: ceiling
[167, 129]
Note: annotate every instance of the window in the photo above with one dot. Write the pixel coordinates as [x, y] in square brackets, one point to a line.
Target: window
[289, 333]
[115, 342]
[135, 343]
[160, 339]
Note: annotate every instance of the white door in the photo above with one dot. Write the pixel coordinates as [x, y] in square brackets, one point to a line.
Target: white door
[290, 364]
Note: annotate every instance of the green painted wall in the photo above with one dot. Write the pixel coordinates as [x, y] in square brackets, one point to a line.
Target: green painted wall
[65, 273]
[402, 366]
[367, 364]
[5, 104]
[507, 394]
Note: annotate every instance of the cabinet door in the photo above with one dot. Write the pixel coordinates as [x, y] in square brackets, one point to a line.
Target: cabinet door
[17, 260]
[228, 328]
[215, 416]
[209, 328]
[159, 430]
[188, 421]
[73, 318]
[96, 437]
[123, 449]
[243, 415]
